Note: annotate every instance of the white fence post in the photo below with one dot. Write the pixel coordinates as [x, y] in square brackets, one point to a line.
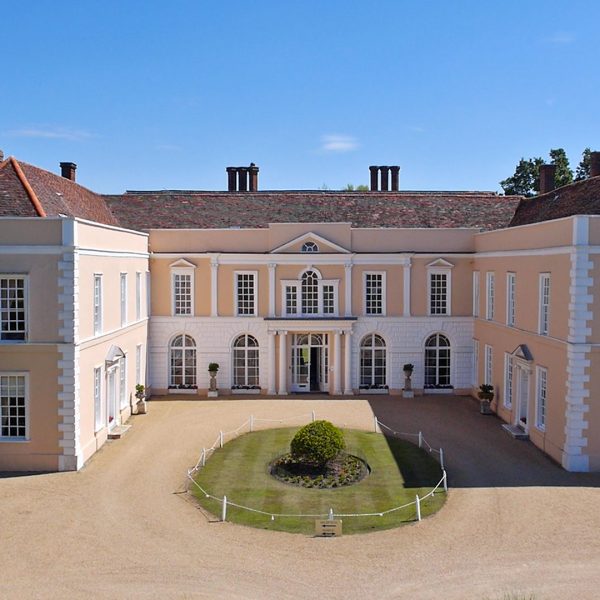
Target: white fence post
[313, 416]
[331, 514]
[418, 508]
[420, 440]
[203, 459]
[445, 481]
[442, 458]
[251, 423]
[376, 423]
[220, 439]
[224, 509]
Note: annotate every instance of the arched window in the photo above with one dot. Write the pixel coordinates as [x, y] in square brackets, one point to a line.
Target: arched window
[372, 361]
[310, 293]
[310, 247]
[182, 361]
[437, 361]
[245, 361]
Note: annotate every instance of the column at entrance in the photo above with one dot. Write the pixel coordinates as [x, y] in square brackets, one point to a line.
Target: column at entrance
[348, 363]
[337, 371]
[282, 363]
[271, 352]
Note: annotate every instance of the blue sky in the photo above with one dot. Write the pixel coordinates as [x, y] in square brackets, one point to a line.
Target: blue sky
[161, 95]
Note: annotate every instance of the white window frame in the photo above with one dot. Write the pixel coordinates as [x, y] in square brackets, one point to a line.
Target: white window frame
[99, 419]
[138, 296]
[309, 247]
[236, 275]
[98, 300]
[490, 293]
[297, 285]
[139, 349]
[476, 293]
[123, 382]
[448, 274]
[544, 304]
[511, 283]
[25, 438]
[25, 331]
[488, 374]
[123, 295]
[383, 312]
[476, 363]
[507, 392]
[541, 406]
[176, 271]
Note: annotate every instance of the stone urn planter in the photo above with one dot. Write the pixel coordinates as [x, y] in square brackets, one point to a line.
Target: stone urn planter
[140, 405]
[486, 395]
[213, 369]
[407, 392]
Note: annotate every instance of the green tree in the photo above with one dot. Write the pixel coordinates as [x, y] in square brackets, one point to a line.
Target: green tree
[524, 181]
[564, 175]
[584, 166]
[352, 188]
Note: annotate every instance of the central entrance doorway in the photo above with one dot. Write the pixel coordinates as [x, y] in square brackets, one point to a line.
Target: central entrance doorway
[310, 362]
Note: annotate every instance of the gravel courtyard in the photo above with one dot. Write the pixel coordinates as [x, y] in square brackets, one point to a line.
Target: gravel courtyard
[123, 527]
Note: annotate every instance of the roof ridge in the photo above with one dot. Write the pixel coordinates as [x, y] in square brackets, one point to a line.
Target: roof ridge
[25, 183]
[62, 179]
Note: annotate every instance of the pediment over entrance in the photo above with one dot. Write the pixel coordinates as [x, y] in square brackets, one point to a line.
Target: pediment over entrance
[522, 352]
[182, 264]
[440, 263]
[313, 240]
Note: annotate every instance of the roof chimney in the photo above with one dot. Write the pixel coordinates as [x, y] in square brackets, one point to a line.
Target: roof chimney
[547, 173]
[242, 179]
[67, 170]
[594, 164]
[382, 184]
[1, 156]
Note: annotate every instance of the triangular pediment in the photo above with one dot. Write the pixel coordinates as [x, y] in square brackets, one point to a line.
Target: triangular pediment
[440, 263]
[522, 352]
[182, 264]
[323, 245]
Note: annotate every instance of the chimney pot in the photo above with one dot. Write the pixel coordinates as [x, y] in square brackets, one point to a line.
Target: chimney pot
[231, 179]
[594, 164]
[242, 179]
[374, 178]
[547, 173]
[385, 177]
[253, 172]
[395, 171]
[67, 170]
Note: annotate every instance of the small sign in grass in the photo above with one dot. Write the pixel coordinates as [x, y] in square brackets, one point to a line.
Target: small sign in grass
[399, 472]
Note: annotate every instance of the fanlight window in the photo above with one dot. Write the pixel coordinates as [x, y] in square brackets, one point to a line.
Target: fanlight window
[182, 361]
[373, 362]
[310, 247]
[437, 361]
[310, 295]
[245, 361]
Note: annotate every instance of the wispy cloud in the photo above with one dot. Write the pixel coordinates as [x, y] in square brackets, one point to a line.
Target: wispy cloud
[51, 133]
[561, 38]
[338, 143]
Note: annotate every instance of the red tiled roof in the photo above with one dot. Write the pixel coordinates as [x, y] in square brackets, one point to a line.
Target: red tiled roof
[28, 191]
[579, 198]
[204, 210]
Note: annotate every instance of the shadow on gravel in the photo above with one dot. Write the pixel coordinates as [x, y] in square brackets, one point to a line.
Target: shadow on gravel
[477, 451]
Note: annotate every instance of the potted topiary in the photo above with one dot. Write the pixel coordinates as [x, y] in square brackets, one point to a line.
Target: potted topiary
[408, 369]
[213, 369]
[486, 395]
[141, 399]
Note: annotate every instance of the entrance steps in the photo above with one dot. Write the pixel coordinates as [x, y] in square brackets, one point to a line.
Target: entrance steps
[516, 432]
[116, 433]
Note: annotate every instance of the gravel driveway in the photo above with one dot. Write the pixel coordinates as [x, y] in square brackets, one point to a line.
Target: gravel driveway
[123, 527]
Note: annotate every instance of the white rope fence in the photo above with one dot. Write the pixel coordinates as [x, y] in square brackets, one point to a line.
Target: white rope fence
[250, 426]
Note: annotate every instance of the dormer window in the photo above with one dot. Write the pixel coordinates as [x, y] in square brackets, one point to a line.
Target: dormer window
[310, 247]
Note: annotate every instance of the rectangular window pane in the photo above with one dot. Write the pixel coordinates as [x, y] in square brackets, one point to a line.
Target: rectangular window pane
[291, 300]
[510, 299]
[13, 423]
[374, 293]
[246, 293]
[13, 324]
[438, 293]
[490, 285]
[542, 394]
[182, 289]
[508, 380]
[97, 304]
[488, 365]
[123, 299]
[328, 300]
[544, 310]
[123, 381]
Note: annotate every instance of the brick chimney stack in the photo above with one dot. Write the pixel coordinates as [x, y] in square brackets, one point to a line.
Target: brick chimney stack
[67, 170]
[1, 156]
[382, 184]
[242, 179]
[594, 164]
[547, 173]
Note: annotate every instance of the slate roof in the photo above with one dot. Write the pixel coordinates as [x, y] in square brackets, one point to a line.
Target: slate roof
[28, 191]
[579, 198]
[188, 209]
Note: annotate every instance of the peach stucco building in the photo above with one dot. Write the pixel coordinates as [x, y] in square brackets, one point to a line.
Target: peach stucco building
[292, 292]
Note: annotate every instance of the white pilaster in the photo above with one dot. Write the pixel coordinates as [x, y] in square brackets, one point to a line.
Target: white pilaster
[214, 286]
[348, 363]
[337, 356]
[271, 352]
[272, 267]
[348, 289]
[282, 363]
[406, 290]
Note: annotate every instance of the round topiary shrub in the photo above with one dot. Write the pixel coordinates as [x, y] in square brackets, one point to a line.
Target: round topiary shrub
[317, 443]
